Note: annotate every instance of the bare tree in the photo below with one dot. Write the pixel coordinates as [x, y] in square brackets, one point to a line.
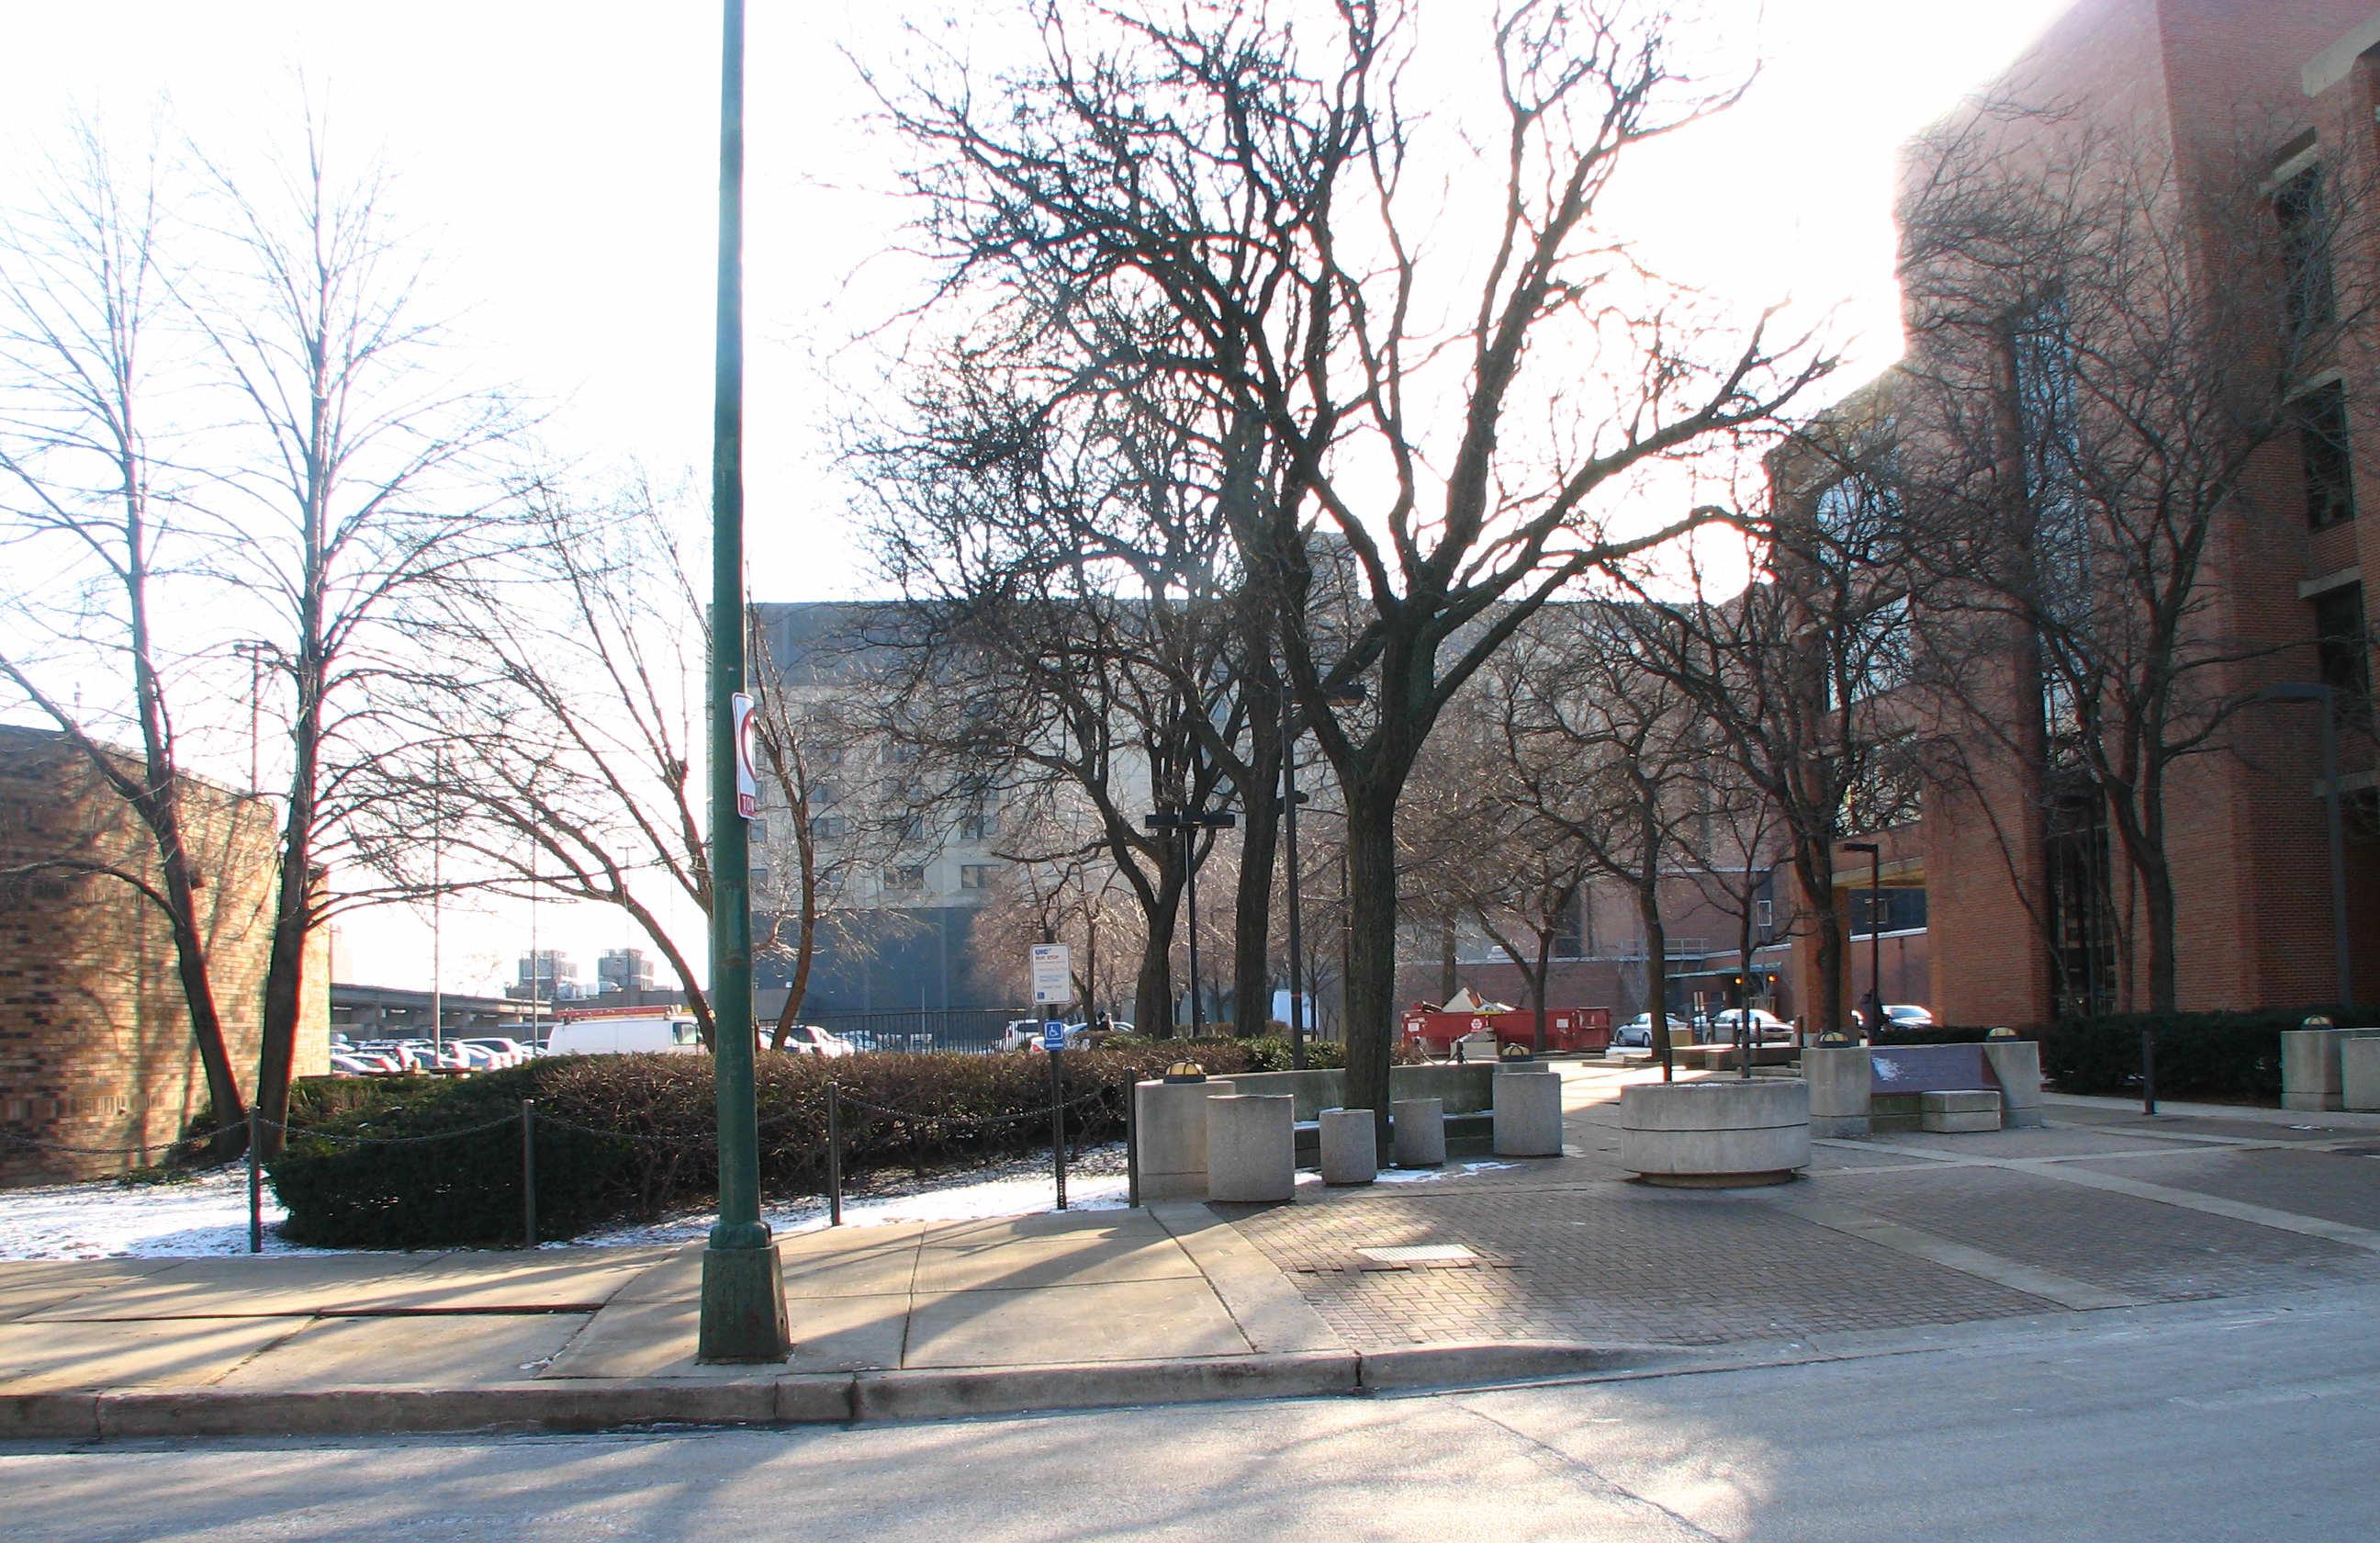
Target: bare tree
[87, 456]
[1606, 753]
[353, 470]
[1256, 185]
[556, 724]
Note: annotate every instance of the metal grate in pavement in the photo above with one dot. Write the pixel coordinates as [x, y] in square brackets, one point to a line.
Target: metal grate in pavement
[1421, 1253]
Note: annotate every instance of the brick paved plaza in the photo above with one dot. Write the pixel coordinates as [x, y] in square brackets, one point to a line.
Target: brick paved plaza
[2103, 1209]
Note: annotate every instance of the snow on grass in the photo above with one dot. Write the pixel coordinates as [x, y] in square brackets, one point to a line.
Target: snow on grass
[207, 1214]
[191, 1217]
[1024, 1186]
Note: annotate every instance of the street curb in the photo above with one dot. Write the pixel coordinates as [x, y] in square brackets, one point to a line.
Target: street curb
[591, 1405]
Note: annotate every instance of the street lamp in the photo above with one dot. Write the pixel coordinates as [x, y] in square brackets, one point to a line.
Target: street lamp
[1293, 724]
[1190, 822]
[1875, 927]
[2322, 696]
[742, 1280]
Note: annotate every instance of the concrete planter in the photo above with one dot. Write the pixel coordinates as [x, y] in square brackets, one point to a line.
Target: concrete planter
[1420, 1131]
[1840, 1080]
[2016, 1066]
[1169, 1121]
[2312, 1073]
[1528, 1112]
[2359, 1073]
[1351, 1147]
[1251, 1149]
[1716, 1134]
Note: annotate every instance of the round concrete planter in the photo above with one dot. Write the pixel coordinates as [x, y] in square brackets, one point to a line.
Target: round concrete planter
[1721, 1133]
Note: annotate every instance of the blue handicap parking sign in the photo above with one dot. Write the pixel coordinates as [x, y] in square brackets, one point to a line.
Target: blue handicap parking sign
[1053, 1035]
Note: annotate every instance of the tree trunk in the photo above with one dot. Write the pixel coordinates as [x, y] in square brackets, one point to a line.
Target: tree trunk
[1831, 961]
[292, 919]
[1371, 949]
[1252, 921]
[1152, 994]
[1657, 974]
[1537, 988]
[1447, 983]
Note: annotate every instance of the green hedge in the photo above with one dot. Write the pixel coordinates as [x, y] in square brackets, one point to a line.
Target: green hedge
[2207, 1055]
[633, 1136]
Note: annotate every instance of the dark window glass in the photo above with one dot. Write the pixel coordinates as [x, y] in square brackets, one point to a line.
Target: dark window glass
[2344, 646]
[2305, 253]
[2324, 446]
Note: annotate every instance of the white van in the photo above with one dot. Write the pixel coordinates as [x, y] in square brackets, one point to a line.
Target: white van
[628, 1034]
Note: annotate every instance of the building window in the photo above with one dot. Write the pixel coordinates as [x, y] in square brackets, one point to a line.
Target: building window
[826, 827]
[2049, 441]
[2322, 448]
[2343, 644]
[1876, 647]
[910, 876]
[976, 876]
[978, 827]
[909, 827]
[757, 831]
[2305, 253]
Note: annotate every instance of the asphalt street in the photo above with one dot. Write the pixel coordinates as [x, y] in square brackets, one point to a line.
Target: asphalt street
[2197, 1421]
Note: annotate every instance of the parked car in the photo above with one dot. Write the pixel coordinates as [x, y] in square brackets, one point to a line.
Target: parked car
[345, 1065]
[1908, 1014]
[1766, 1027]
[507, 1053]
[1638, 1031]
[810, 1039]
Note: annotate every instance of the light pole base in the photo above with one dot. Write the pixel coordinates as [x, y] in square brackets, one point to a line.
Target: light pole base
[743, 1305]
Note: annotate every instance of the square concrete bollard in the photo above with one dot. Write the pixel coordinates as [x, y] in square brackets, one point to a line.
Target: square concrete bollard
[2309, 1068]
[1959, 1110]
[1528, 1115]
[1351, 1147]
[1251, 1148]
[1840, 1080]
[2359, 1073]
[1170, 1122]
[1420, 1131]
[2016, 1065]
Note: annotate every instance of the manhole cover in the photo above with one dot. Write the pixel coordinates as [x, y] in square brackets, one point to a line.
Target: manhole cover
[1420, 1253]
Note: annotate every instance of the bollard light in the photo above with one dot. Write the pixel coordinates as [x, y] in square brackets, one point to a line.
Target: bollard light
[1185, 1071]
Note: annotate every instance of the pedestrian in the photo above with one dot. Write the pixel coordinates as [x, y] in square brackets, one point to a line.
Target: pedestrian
[1871, 1013]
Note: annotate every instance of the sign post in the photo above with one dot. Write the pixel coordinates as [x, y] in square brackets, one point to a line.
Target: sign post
[1054, 975]
[1053, 1039]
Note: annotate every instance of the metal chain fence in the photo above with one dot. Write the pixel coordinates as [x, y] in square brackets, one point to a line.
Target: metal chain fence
[919, 1127]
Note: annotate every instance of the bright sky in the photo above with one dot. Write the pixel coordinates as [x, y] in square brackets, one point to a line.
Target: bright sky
[561, 160]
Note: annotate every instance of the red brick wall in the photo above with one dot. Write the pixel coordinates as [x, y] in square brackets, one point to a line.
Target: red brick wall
[95, 1046]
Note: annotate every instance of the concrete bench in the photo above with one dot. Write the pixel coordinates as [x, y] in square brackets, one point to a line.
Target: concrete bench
[1955, 1110]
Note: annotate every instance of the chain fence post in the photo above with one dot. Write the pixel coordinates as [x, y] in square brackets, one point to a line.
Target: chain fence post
[2148, 1070]
[529, 1172]
[1057, 1126]
[255, 1191]
[834, 1154]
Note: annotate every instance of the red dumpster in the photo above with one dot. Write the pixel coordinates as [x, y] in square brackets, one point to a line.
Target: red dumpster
[1434, 1031]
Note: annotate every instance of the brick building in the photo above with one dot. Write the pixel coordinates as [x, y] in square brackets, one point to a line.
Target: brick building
[2206, 169]
[95, 1046]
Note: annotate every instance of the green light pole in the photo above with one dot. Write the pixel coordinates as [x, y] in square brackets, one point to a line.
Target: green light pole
[743, 1286]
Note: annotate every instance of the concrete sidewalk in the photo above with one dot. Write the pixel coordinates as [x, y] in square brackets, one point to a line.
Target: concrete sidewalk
[1482, 1273]
[907, 1320]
